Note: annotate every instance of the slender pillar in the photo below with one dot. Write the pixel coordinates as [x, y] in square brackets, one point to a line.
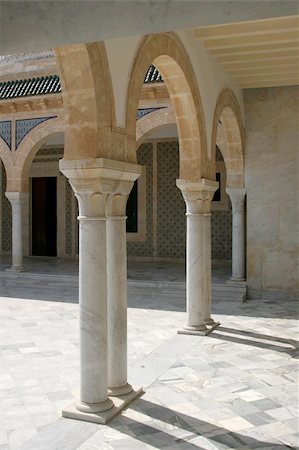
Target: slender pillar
[117, 289]
[91, 193]
[198, 196]
[237, 197]
[17, 201]
[95, 183]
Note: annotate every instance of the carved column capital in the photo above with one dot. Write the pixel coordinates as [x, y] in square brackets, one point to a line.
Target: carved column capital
[237, 197]
[197, 194]
[101, 185]
[17, 199]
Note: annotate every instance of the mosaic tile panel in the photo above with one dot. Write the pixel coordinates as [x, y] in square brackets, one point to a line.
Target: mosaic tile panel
[145, 157]
[221, 232]
[171, 205]
[141, 112]
[50, 151]
[76, 237]
[25, 125]
[219, 156]
[68, 218]
[6, 216]
[5, 132]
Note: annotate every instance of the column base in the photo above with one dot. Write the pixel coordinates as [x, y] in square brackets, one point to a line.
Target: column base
[209, 321]
[119, 390]
[120, 403]
[203, 331]
[15, 269]
[237, 279]
[95, 407]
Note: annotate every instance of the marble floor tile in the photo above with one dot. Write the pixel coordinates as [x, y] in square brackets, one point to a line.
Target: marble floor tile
[236, 388]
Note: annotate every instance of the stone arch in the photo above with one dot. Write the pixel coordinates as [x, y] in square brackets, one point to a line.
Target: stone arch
[18, 172]
[154, 120]
[5, 155]
[88, 102]
[227, 133]
[167, 53]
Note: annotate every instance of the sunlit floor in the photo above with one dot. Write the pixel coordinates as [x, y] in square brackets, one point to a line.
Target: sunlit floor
[235, 389]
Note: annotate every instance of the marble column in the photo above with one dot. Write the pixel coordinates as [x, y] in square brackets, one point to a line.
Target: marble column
[94, 182]
[18, 201]
[237, 197]
[198, 196]
[117, 289]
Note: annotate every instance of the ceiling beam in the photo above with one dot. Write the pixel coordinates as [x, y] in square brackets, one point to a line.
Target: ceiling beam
[259, 64]
[255, 49]
[249, 40]
[264, 26]
[279, 54]
[263, 84]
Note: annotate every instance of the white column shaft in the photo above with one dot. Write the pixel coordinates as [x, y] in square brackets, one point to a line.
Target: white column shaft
[238, 245]
[208, 270]
[195, 271]
[17, 200]
[117, 306]
[237, 197]
[93, 311]
[198, 196]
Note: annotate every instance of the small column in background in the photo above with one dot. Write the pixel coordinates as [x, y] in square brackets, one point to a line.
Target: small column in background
[18, 201]
[237, 197]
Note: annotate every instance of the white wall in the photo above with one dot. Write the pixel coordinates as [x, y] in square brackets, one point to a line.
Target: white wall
[271, 169]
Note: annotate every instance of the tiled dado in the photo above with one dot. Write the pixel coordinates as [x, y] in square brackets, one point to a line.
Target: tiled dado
[23, 126]
[171, 221]
[5, 132]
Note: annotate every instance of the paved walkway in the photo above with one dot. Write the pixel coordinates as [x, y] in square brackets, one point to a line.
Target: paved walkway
[235, 389]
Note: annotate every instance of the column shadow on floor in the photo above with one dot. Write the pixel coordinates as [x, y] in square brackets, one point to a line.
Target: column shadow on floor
[288, 346]
[159, 438]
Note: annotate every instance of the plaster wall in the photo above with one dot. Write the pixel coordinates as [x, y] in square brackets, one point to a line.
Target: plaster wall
[271, 171]
[120, 54]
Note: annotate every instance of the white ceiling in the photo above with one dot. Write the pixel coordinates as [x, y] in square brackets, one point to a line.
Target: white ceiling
[34, 25]
[260, 53]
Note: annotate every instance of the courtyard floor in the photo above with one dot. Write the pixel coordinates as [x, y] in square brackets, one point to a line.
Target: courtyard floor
[234, 389]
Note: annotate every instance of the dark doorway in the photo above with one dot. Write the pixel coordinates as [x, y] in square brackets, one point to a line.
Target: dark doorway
[44, 220]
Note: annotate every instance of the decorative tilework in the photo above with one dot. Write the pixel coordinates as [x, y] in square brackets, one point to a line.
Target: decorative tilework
[68, 218]
[171, 205]
[219, 156]
[5, 132]
[145, 157]
[6, 215]
[50, 152]
[221, 232]
[171, 209]
[49, 84]
[144, 111]
[23, 127]
[76, 213]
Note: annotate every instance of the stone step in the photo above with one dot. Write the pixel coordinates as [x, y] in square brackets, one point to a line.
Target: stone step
[229, 290]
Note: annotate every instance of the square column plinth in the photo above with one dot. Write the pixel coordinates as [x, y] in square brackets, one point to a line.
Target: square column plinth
[204, 332]
[120, 403]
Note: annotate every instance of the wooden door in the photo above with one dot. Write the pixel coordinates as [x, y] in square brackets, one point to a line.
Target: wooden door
[44, 216]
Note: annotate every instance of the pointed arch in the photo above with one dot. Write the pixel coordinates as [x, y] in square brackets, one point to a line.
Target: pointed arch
[5, 155]
[152, 121]
[87, 100]
[227, 133]
[167, 53]
[18, 171]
